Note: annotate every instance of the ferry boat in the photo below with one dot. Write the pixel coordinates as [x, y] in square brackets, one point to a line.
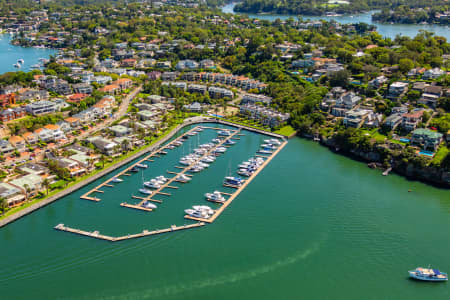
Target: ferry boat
[115, 179]
[428, 274]
[145, 191]
[215, 196]
[147, 204]
[233, 181]
[143, 166]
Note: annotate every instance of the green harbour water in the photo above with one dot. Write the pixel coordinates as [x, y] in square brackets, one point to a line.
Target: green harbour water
[311, 225]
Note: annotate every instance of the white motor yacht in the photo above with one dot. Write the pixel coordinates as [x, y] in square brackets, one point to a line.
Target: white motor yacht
[145, 191]
[147, 204]
[143, 166]
[204, 208]
[115, 179]
[196, 213]
[183, 178]
[215, 196]
[152, 184]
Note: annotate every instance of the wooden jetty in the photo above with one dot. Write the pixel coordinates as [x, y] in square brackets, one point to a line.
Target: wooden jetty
[144, 233]
[239, 190]
[124, 204]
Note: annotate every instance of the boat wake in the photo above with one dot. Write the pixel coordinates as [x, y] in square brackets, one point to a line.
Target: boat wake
[211, 282]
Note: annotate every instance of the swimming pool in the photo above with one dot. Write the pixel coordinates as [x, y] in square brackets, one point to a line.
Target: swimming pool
[426, 153]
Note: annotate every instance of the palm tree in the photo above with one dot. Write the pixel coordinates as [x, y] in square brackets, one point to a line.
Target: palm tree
[27, 190]
[3, 204]
[125, 144]
[46, 184]
[103, 159]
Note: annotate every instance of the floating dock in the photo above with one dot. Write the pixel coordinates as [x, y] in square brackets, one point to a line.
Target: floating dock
[97, 235]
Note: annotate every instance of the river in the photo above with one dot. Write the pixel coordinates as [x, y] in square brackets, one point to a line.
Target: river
[312, 225]
[9, 54]
[387, 30]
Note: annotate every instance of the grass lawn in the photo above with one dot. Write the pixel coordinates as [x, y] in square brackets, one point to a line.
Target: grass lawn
[79, 179]
[440, 155]
[286, 130]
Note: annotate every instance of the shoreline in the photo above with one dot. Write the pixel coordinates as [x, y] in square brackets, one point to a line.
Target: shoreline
[195, 120]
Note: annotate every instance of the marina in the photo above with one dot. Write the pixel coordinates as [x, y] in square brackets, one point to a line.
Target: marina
[200, 159]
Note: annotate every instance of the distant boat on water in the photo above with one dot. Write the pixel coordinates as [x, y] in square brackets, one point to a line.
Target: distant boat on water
[428, 274]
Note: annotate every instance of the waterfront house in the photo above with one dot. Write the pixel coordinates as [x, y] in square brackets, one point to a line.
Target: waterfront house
[426, 139]
[267, 116]
[411, 120]
[30, 182]
[103, 145]
[12, 194]
[356, 118]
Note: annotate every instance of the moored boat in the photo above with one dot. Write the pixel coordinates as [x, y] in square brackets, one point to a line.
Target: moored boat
[145, 191]
[147, 204]
[115, 179]
[143, 166]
